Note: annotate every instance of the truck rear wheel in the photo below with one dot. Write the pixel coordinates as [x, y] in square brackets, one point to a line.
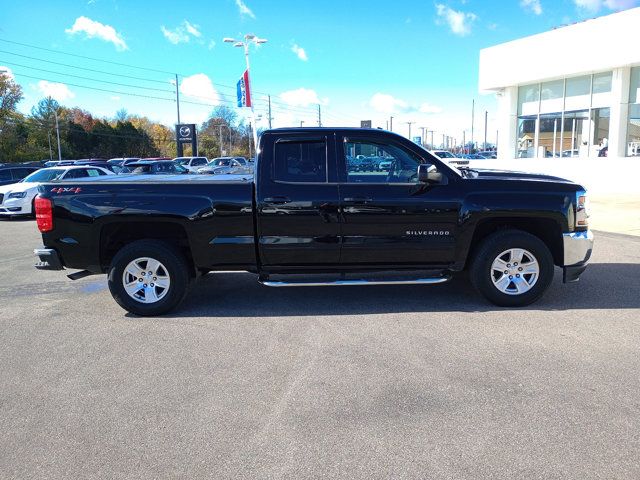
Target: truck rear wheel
[512, 268]
[148, 278]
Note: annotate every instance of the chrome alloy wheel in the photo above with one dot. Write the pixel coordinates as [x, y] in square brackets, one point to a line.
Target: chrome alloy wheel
[515, 271]
[146, 280]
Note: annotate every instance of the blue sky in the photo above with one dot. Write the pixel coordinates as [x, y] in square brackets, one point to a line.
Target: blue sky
[415, 60]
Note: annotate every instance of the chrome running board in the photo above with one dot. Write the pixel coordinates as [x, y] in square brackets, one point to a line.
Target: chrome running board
[340, 283]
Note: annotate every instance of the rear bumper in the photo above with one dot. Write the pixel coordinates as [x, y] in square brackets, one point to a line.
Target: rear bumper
[578, 247]
[48, 259]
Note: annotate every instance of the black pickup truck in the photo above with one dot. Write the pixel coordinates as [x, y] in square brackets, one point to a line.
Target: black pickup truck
[305, 218]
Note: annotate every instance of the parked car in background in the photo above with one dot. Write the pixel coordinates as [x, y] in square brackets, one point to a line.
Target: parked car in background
[14, 173]
[123, 162]
[17, 199]
[490, 154]
[59, 163]
[191, 163]
[450, 157]
[227, 165]
[155, 167]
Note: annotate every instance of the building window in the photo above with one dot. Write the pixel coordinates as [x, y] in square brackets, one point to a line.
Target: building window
[526, 137]
[633, 129]
[600, 118]
[567, 117]
[552, 96]
[528, 99]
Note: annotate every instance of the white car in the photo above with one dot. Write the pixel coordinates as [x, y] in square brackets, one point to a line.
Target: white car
[17, 198]
[191, 163]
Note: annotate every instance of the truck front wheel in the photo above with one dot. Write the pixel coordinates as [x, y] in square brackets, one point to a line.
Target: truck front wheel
[148, 278]
[512, 268]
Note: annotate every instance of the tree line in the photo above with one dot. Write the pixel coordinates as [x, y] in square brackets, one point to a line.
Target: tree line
[32, 137]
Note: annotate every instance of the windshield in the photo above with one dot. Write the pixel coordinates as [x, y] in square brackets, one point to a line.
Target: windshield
[44, 175]
[221, 162]
[182, 160]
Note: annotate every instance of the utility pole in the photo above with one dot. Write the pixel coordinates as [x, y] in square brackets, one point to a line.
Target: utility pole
[485, 130]
[391, 124]
[422, 136]
[220, 137]
[319, 116]
[443, 145]
[50, 153]
[58, 135]
[464, 141]
[409, 123]
[301, 122]
[387, 125]
[431, 131]
[270, 118]
[473, 108]
[177, 98]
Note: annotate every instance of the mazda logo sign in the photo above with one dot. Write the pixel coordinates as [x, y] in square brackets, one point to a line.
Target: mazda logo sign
[185, 131]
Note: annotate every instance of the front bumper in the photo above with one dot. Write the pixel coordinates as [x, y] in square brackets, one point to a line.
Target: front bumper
[48, 259]
[578, 247]
[15, 206]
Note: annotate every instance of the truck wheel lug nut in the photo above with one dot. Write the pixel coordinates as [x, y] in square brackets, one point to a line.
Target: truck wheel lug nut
[519, 269]
[145, 285]
[508, 265]
[518, 275]
[510, 277]
[506, 272]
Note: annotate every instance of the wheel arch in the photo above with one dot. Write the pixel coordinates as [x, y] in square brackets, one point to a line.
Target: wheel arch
[546, 229]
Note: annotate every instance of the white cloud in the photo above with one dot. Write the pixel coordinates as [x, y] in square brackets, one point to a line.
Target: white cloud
[59, 91]
[182, 33]
[299, 51]
[594, 6]
[459, 22]
[428, 108]
[385, 103]
[192, 29]
[302, 97]
[212, 44]
[533, 6]
[200, 86]
[7, 72]
[93, 29]
[244, 10]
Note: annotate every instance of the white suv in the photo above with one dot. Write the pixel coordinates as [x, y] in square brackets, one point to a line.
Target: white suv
[191, 163]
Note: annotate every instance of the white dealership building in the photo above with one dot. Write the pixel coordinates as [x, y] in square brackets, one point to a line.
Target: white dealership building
[570, 94]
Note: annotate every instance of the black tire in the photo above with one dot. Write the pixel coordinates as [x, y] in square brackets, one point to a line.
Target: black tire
[491, 247]
[176, 268]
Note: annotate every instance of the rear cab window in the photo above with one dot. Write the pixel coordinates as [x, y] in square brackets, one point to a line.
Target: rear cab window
[302, 160]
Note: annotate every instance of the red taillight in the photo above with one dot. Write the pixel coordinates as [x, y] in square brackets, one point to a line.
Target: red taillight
[44, 214]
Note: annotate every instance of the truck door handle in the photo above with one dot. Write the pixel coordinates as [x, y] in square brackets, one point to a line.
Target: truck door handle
[277, 200]
[358, 199]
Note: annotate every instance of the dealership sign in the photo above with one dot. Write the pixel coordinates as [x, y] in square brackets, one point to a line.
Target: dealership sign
[186, 133]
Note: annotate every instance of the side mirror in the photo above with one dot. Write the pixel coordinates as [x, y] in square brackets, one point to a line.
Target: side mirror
[429, 175]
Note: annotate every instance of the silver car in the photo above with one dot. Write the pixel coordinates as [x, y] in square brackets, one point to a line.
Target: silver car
[227, 165]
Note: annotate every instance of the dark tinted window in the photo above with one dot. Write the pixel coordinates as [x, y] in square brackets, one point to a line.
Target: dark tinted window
[77, 173]
[300, 161]
[20, 173]
[5, 175]
[198, 161]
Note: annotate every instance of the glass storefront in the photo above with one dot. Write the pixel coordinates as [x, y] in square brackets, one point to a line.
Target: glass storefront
[633, 124]
[564, 118]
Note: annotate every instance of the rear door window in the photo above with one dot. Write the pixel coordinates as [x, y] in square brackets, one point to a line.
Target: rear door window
[302, 161]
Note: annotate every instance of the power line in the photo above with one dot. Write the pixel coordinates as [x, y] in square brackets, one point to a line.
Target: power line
[88, 78]
[85, 57]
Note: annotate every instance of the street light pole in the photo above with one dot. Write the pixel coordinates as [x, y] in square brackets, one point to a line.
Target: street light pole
[248, 39]
[391, 124]
[409, 123]
[58, 135]
[422, 136]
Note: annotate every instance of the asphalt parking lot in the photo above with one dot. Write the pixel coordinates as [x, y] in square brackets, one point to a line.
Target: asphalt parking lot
[356, 382]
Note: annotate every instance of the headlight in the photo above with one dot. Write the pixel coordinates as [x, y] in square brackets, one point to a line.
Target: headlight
[582, 213]
[17, 195]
